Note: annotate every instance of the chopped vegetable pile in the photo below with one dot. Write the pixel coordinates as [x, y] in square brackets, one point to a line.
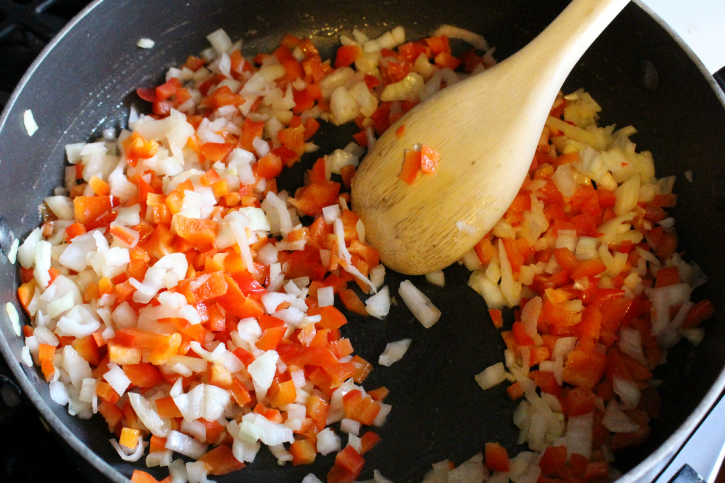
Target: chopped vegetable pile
[174, 290]
[588, 254]
[177, 292]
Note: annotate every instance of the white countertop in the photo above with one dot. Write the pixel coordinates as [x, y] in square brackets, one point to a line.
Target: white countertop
[701, 23]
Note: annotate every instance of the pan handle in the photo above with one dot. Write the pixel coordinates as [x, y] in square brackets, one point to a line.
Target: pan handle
[687, 474]
[720, 78]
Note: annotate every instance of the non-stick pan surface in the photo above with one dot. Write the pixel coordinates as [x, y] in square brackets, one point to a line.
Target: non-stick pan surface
[85, 82]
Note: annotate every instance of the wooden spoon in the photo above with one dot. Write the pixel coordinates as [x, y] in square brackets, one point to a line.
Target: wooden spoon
[486, 130]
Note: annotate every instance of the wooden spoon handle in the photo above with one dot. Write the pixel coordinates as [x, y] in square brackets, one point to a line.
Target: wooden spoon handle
[555, 51]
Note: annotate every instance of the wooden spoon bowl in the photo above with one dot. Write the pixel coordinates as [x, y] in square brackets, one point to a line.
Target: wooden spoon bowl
[486, 129]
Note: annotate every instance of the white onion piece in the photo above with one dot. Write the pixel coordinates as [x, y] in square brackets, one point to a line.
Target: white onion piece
[216, 400]
[564, 180]
[185, 445]
[262, 371]
[382, 415]
[14, 318]
[378, 305]
[491, 376]
[42, 263]
[58, 393]
[630, 343]
[325, 297]
[219, 41]
[469, 471]
[159, 458]
[26, 251]
[116, 378]
[30, 125]
[194, 428]
[133, 457]
[240, 235]
[266, 431]
[510, 288]
[436, 278]
[79, 322]
[177, 470]
[394, 351]
[627, 195]
[487, 289]
[311, 479]
[148, 416]
[26, 357]
[377, 276]
[662, 299]
[694, 336]
[145, 43]
[440, 471]
[196, 472]
[350, 426]
[617, 421]
[62, 206]
[13, 252]
[530, 317]
[343, 106]
[579, 431]
[76, 366]
[60, 305]
[587, 248]
[327, 442]
[420, 305]
[472, 38]
[628, 392]
[566, 239]
[471, 261]
[280, 453]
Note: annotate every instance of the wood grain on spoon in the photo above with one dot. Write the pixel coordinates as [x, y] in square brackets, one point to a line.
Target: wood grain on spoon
[486, 130]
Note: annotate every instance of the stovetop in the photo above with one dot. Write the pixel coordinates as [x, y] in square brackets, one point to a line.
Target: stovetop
[25, 29]
[31, 452]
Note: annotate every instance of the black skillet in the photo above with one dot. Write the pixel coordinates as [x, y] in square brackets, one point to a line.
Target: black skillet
[638, 71]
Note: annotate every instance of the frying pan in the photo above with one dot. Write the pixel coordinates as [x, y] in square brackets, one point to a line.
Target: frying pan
[638, 71]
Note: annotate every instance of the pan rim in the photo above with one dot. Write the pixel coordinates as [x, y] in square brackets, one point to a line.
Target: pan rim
[656, 461]
[15, 367]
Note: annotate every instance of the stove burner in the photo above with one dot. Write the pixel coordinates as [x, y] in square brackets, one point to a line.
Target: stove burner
[26, 27]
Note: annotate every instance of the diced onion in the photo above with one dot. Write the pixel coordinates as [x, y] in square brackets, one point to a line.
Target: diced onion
[491, 376]
[30, 125]
[378, 305]
[436, 278]
[453, 32]
[117, 378]
[145, 43]
[219, 41]
[564, 180]
[394, 351]
[421, 306]
[147, 415]
[262, 371]
[325, 297]
[311, 479]
[185, 445]
[327, 442]
[616, 421]
[133, 457]
[14, 318]
[470, 470]
[350, 426]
